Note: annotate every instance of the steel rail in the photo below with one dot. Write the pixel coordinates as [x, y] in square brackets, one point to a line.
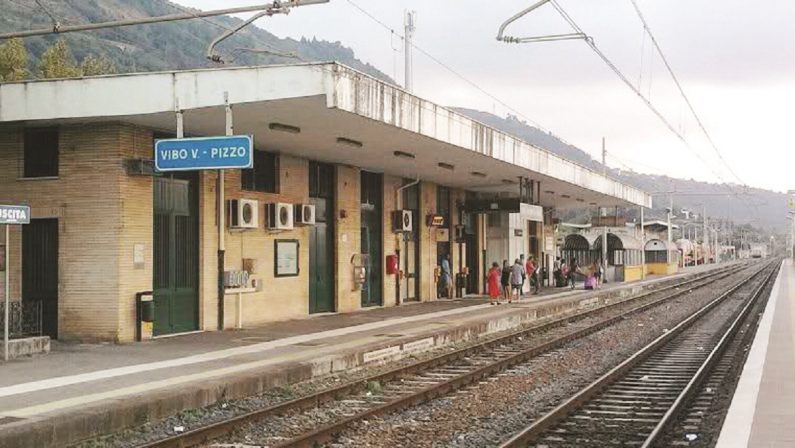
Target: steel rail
[215, 430]
[561, 412]
[707, 366]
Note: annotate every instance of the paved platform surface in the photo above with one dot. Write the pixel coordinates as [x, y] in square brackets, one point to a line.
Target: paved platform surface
[84, 389]
[762, 412]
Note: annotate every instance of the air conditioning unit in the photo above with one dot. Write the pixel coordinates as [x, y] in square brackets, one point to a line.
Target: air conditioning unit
[402, 221]
[304, 214]
[243, 213]
[280, 216]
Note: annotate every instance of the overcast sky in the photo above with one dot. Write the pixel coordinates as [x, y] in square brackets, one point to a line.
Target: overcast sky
[735, 60]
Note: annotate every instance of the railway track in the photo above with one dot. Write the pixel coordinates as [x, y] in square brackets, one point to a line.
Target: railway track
[416, 383]
[668, 381]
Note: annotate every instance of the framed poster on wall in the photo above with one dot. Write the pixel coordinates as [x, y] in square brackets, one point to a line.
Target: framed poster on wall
[285, 253]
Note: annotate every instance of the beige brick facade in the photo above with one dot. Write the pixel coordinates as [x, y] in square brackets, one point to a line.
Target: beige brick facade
[104, 213]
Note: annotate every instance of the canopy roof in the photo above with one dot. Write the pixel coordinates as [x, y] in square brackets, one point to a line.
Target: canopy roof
[325, 112]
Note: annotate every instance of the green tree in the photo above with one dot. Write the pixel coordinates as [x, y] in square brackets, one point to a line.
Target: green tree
[97, 65]
[58, 62]
[13, 60]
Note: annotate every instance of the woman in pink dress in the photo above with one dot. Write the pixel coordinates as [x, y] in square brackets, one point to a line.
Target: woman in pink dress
[494, 283]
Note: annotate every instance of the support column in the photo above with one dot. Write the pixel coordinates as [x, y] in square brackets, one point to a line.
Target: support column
[705, 236]
[222, 221]
[643, 246]
[7, 297]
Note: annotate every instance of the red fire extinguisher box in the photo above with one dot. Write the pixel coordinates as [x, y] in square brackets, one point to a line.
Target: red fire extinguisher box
[391, 264]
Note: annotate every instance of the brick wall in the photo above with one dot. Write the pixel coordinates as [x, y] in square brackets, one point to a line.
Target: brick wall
[348, 236]
[104, 213]
[86, 199]
[136, 228]
[280, 298]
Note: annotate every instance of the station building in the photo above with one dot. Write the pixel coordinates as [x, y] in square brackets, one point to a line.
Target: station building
[108, 229]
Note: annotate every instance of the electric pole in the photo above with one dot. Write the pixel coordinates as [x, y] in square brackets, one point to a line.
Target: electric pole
[409, 28]
[604, 209]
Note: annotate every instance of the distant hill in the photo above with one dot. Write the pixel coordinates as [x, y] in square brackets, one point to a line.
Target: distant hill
[759, 207]
[164, 46]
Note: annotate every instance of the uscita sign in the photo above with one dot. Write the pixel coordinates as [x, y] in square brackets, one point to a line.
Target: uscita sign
[14, 214]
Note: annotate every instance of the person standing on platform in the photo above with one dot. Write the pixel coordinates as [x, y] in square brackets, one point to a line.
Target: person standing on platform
[447, 276]
[532, 272]
[518, 275]
[598, 273]
[506, 280]
[564, 273]
[574, 268]
[494, 283]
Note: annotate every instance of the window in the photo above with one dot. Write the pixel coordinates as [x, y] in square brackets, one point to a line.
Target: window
[41, 152]
[264, 176]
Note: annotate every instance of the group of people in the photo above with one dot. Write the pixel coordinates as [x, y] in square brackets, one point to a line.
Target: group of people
[508, 283]
[564, 273]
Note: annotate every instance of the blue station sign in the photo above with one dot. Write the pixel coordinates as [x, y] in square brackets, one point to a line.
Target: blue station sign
[204, 153]
[14, 214]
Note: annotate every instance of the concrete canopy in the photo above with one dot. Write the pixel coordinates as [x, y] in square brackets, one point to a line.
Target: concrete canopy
[400, 134]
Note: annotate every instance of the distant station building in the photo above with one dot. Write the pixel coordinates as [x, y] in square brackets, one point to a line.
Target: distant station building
[661, 256]
[626, 247]
[357, 191]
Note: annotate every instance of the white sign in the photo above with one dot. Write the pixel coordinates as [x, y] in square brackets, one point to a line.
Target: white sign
[14, 214]
[138, 256]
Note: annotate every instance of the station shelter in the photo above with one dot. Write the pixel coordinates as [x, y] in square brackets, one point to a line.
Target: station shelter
[625, 248]
[661, 257]
[357, 190]
[624, 261]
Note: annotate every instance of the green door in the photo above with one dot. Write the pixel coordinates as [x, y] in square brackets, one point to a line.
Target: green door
[372, 237]
[321, 239]
[40, 271]
[176, 255]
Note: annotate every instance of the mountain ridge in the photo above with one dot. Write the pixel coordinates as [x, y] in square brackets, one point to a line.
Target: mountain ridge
[757, 206]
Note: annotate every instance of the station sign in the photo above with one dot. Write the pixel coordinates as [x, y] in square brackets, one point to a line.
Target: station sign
[204, 153]
[14, 214]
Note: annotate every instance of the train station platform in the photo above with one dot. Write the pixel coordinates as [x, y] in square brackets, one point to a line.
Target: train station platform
[79, 391]
[762, 411]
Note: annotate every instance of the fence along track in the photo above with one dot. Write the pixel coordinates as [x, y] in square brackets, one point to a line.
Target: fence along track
[454, 370]
[634, 402]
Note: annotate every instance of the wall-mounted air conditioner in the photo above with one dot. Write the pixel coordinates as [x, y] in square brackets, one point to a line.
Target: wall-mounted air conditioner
[402, 221]
[280, 216]
[304, 214]
[243, 213]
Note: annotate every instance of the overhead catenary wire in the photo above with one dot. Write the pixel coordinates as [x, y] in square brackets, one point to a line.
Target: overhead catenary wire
[456, 73]
[157, 19]
[56, 24]
[590, 42]
[681, 90]
[449, 68]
